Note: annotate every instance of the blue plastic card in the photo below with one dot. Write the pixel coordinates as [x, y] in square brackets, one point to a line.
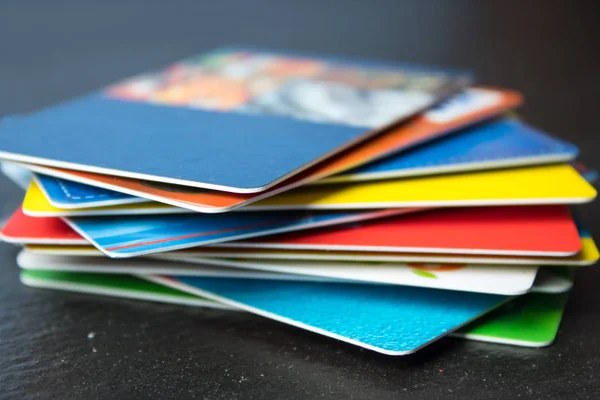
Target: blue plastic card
[394, 320]
[129, 236]
[62, 193]
[499, 143]
[237, 120]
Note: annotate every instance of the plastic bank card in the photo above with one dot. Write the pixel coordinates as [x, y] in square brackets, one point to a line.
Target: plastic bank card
[36, 204]
[53, 236]
[223, 112]
[546, 231]
[22, 229]
[61, 193]
[130, 236]
[471, 106]
[394, 320]
[505, 325]
[472, 278]
[530, 321]
[495, 144]
[553, 184]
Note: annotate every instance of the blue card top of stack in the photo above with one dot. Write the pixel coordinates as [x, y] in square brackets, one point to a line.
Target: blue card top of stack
[498, 143]
[232, 119]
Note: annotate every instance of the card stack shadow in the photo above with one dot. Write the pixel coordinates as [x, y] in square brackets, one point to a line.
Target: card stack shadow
[381, 204]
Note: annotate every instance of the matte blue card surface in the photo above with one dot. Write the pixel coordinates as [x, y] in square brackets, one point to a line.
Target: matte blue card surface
[394, 320]
[62, 193]
[129, 236]
[233, 119]
[499, 143]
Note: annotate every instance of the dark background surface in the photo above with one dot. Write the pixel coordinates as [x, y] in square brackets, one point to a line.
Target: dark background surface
[53, 50]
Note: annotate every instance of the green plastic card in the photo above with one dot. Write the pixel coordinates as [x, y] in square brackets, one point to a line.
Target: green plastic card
[112, 285]
[531, 320]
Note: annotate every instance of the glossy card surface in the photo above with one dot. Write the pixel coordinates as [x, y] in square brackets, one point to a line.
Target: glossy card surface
[21, 229]
[530, 321]
[471, 278]
[393, 320]
[501, 143]
[505, 325]
[473, 105]
[524, 230]
[519, 230]
[67, 194]
[233, 119]
[130, 236]
[552, 184]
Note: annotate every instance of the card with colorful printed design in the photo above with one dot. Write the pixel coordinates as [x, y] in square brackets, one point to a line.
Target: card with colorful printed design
[552, 184]
[471, 278]
[224, 112]
[520, 230]
[394, 320]
[61, 193]
[501, 143]
[517, 230]
[131, 236]
[36, 204]
[23, 229]
[474, 105]
[549, 184]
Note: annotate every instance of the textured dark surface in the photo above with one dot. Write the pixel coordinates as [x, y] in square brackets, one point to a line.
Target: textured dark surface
[53, 50]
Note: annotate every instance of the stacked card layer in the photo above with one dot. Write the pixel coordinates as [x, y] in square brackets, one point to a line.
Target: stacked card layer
[323, 193]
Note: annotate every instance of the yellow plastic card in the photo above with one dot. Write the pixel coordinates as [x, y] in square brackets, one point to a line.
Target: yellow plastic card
[549, 184]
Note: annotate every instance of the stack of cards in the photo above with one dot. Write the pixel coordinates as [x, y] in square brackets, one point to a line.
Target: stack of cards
[380, 204]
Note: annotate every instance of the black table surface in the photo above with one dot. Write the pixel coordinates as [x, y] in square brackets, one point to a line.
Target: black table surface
[53, 50]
